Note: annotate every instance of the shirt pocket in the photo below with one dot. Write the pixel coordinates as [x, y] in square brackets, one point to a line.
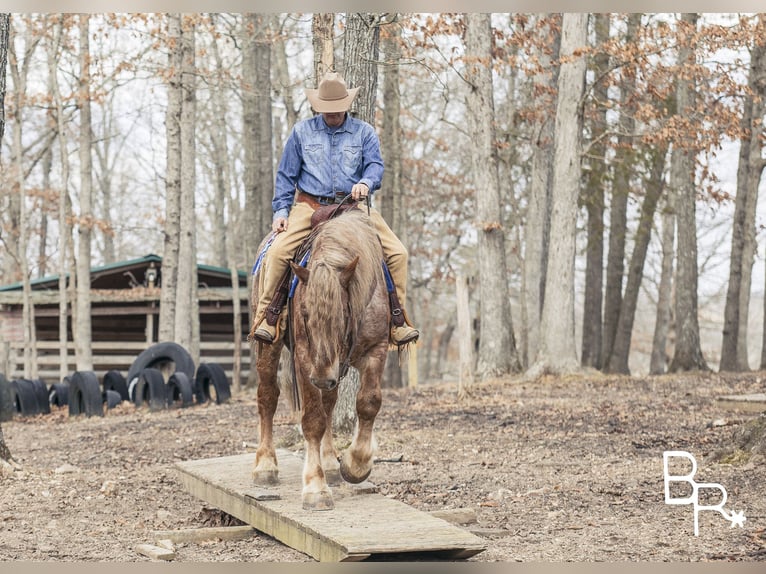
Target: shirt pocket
[313, 154]
[352, 158]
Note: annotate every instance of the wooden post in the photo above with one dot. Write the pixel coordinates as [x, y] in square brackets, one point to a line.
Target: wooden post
[464, 336]
[412, 366]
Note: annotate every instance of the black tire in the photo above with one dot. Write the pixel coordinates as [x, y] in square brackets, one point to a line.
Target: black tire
[114, 381]
[6, 402]
[211, 374]
[179, 391]
[157, 356]
[85, 395]
[58, 394]
[24, 398]
[41, 391]
[111, 398]
[151, 389]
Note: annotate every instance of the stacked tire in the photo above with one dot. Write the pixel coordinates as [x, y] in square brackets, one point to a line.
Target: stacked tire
[26, 397]
[163, 376]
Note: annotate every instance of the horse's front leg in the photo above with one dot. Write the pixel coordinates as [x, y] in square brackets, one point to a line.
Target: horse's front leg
[356, 462]
[265, 471]
[329, 453]
[316, 494]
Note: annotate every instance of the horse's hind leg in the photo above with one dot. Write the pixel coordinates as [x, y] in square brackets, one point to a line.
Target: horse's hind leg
[265, 471]
[356, 462]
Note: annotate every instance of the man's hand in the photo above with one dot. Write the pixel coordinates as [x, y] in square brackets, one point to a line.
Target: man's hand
[279, 225]
[359, 191]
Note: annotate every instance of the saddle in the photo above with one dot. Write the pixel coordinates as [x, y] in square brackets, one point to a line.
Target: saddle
[284, 289]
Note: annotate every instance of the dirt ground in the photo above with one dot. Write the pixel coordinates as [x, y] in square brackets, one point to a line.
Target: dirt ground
[555, 470]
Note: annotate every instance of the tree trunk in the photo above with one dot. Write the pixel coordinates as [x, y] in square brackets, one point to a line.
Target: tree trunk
[390, 198]
[17, 246]
[257, 136]
[360, 69]
[229, 216]
[82, 325]
[618, 360]
[618, 213]
[659, 358]
[558, 353]
[593, 198]
[734, 347]
[264, 148]
[537, 229]
[497, 347]
[360, 61]
[64, 210]
[688, 352]
[220, 168]
[323, 39]
[5, 23]
[187, 303]
[284, 82]
[465, 379]
[169, 272]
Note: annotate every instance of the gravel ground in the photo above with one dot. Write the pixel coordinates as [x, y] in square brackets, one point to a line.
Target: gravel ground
[555, 470]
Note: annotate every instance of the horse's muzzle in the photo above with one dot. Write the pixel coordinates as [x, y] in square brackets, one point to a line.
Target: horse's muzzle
[324, 384]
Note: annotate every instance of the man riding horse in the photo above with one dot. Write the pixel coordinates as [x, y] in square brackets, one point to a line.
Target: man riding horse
[326, 158]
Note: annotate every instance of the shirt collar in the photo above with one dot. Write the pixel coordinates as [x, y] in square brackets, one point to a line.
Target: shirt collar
[344, 127]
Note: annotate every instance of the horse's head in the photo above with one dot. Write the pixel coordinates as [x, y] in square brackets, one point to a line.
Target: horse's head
[322, 322]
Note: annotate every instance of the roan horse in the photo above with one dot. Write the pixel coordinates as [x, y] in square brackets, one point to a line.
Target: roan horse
[339, 317]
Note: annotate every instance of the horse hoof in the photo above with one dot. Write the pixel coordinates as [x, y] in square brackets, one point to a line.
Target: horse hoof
[333, 477]
[266, 477]
[318, 501]
[353, 479]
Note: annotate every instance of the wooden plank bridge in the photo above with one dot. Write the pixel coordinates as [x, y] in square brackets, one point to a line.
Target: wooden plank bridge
[364, 523]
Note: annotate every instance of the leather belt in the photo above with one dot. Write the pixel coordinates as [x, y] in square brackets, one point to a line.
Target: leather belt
[316, 201]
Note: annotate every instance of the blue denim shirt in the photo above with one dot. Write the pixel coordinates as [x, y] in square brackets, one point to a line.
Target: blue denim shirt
[322, 161]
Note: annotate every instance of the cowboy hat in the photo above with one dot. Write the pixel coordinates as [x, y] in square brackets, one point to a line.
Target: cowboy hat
[332, 96]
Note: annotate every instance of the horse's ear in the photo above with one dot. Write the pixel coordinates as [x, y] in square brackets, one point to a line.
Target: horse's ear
[348, 272]
[301, 272]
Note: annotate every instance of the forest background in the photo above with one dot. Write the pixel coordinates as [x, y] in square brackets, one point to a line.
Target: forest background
[585, 185]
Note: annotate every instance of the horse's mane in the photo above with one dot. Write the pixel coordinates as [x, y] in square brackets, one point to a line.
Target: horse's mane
[337, 243]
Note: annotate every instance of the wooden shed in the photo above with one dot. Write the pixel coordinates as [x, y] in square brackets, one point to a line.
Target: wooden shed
[125, 304]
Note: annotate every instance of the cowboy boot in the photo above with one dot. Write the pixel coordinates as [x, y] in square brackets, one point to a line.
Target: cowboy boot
[265, 332]
[404, 334]
[401, 332]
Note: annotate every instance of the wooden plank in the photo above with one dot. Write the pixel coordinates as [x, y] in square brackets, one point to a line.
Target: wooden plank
[155, 552]
[204, 534]
[362, 524]
[755, 402]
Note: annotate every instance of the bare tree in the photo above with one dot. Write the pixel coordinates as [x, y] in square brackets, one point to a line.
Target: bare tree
[390, 198]
[688, 352]
[619, 357]
[82, 320]
[360, 69]
[497, 346]
[537, 229]
[659, 358]
[323, 40]
[558, 353]
[6, 459]
[734, 343]
[618, 213]
[593, 198]
[53, 45]
[169, 277]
